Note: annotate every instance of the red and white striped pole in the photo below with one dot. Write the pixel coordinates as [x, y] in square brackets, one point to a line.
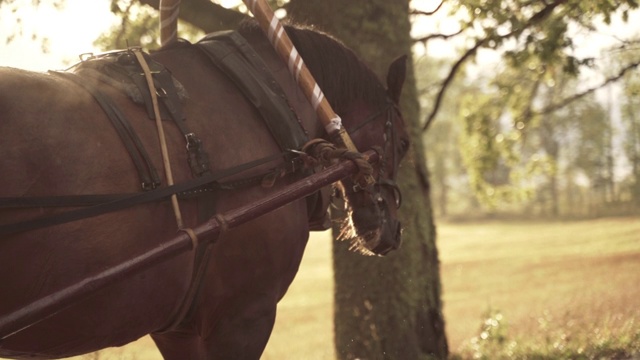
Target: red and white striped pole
[271, 25]
[169, 10]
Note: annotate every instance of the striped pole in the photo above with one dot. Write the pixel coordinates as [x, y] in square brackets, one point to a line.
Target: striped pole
[169, 10]
[284, 47]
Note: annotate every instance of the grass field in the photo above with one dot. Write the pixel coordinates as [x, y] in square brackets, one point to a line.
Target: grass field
[542, 289]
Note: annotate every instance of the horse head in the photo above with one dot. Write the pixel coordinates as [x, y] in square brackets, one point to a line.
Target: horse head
[370, 113]
[372, 223]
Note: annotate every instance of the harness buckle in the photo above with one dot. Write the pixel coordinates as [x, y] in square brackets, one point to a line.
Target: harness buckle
[148, 186]
[162, 93]
[196, 156]
[192, 141]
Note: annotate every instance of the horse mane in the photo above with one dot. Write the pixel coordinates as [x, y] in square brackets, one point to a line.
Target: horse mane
[341, 75]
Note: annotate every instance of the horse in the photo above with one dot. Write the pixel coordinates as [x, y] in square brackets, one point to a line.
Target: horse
[56, 140]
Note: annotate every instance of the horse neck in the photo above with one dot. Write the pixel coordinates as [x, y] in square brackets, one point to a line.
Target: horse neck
[345, 80]
[296, 98]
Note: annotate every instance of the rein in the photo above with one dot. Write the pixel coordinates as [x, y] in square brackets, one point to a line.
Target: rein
[372, 117]
[114, 201]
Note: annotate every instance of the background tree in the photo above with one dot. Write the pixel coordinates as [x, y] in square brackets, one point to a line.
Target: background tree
[449, 180]
[535, 41]
[524, 31]
[631, 123]
[594, 151]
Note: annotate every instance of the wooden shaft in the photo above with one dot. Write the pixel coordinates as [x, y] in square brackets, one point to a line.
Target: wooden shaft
[169, 10]
[43, 308]
[284, 47]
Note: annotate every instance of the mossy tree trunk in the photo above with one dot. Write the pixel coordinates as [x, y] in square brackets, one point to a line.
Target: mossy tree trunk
[386, 308]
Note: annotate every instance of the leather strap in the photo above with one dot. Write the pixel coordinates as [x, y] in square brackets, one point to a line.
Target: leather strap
[124, 202]
[161, 137]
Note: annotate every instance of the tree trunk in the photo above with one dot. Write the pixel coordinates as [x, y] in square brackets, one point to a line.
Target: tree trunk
[386, 308]
[633, 139]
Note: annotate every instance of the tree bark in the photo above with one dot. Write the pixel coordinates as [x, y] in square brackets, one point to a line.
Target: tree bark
[386, 308]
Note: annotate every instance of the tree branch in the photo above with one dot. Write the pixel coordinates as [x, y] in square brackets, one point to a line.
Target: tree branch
[569, 100]
[535, 19]
[204, 14]
[447, 81]
[124, 24]
[424, 39]
[427, 13]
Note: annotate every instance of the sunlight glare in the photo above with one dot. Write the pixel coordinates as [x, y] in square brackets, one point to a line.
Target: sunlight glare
[69, 32]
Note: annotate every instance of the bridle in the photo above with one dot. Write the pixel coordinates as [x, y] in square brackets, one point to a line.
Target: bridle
[390, 142]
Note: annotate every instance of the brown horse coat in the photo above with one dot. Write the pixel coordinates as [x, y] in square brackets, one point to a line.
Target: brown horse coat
[55, 140]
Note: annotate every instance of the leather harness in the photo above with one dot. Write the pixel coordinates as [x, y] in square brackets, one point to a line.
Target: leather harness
[233, 55]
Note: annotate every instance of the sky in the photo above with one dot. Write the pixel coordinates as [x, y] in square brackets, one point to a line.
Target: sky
[71, 32]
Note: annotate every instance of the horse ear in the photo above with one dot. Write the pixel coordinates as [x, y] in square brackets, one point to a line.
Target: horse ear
[395, 78]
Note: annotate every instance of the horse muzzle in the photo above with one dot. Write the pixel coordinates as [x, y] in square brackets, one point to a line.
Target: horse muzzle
[391, 239]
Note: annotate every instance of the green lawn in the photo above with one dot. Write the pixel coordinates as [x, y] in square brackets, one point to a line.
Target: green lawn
[537, 290]
[551, 289]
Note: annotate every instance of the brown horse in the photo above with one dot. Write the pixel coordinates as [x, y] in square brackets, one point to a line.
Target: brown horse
[56, 140]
